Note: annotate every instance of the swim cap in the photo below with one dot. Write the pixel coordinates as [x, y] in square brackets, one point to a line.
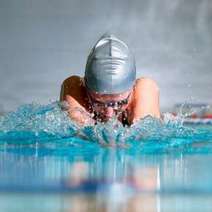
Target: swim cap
[110, 67]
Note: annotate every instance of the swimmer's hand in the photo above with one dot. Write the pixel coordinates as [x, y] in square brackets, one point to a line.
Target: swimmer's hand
[81, 117]
[78, 115]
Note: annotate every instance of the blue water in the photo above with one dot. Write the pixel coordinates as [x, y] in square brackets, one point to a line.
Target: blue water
[43, 151]
[48, 130]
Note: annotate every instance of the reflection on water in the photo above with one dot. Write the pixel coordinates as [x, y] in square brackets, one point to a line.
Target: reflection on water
[90, 202]
[146, 173]
[152, 165]
[108, 180]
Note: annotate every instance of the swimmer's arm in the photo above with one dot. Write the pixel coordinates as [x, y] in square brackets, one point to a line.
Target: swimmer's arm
[76, 111]
[146, 100]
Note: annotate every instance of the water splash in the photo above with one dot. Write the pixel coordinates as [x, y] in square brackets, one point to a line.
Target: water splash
[187, 110]
[35, 121]
[48, 127]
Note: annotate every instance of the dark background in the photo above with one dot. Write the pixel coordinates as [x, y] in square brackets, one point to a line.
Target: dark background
[44, 41]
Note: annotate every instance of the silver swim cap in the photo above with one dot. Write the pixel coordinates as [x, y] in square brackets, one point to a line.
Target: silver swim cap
[110, 67]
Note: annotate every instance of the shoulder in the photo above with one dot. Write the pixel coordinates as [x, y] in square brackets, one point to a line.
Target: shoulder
[73, 86]
[146, 82]
[145, 100]
[73, 81]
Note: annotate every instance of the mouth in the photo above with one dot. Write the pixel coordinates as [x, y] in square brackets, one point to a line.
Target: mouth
[103, 118]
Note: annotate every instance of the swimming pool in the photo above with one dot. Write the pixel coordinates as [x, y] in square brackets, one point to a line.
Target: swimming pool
[48, 163]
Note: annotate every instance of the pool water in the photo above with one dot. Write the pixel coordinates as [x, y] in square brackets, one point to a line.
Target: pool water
[49, 163]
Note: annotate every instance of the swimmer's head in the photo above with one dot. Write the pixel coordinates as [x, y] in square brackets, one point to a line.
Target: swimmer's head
[110, 67]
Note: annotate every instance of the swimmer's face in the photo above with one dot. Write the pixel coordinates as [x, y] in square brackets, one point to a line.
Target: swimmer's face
[107, 105]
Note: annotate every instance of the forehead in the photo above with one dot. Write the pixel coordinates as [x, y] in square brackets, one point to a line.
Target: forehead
[105, 97]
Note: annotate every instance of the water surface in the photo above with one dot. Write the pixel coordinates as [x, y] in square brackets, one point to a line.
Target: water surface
[108, 165]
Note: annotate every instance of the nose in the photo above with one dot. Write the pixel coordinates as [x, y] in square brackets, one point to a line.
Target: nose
[109, 112]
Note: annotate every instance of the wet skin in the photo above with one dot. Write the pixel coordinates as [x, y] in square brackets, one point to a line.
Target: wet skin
[109, 105]
[143, 101]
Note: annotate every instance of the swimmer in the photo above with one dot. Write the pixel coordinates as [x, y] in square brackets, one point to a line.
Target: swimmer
[109, 87]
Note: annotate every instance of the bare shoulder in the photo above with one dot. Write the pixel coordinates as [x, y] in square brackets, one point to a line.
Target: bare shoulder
[146, 100]
[72, 81]
[72, 86]
[147, 83]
